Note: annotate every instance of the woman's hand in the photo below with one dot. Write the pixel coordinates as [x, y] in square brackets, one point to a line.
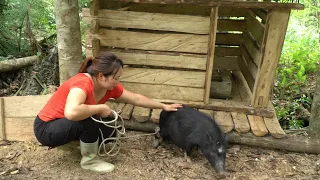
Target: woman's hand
[171, 107]
[105, 110]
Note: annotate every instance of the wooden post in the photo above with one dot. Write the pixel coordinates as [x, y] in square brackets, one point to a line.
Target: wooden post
[95, 47]
[94, 7]
[95, 25]
[2, 127]
[276, 27]
[210, 55]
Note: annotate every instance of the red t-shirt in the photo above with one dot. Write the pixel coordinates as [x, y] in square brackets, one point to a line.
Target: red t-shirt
[55, 106]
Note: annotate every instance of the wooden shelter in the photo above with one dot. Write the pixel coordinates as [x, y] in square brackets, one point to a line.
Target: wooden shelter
[173, 50]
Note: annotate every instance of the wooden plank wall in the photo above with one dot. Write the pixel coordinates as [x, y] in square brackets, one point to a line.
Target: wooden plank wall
[252, 39]
[163, 48]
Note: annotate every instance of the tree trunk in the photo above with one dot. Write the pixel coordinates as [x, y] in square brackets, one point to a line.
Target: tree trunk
[68, 37]
[10, 65]
[314, 124]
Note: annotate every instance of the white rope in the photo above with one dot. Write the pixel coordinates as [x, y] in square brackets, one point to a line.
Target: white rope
[119, 129]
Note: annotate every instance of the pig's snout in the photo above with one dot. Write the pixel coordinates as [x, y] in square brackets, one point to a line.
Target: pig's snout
[219, 167]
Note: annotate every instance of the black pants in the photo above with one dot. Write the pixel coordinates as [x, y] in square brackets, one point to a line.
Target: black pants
[62, 131]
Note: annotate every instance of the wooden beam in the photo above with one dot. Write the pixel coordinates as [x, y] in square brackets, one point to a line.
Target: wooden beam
[302, 144]
[225, 58]
[276, 26]
[163, 77]
[127, 111]
[185, 9]
[14, 105]
[246, 73]
[2, 123]
[159, 21]
[167, 91]
[234, 4]
[210, 55]
[173, 42]
[152, 21]
[223, 105]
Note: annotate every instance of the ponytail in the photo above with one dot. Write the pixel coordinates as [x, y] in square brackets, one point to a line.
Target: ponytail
[85, 64]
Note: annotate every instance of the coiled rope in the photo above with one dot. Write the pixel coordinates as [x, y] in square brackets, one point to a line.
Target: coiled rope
[120, 131]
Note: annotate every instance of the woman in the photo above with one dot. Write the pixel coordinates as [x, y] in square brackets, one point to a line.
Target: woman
[66, 116]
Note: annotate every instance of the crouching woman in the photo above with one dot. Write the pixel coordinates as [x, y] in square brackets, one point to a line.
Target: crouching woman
[67, 115]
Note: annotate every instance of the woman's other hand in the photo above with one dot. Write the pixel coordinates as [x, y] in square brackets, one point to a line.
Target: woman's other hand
[171, 107]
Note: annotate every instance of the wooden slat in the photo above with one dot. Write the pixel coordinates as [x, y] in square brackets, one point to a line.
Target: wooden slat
[246, 73]
[15, 105]
[186, 9]
[257, 125]
[271, 51]
[241, 123]
[234, 4]
[163, 77]
[208, 112]
[160, 21]
[261, 13]
[249, 61]
[2, 123]
[255, 27]
[152, 21]
[253, 50]
[244, 89]
[140, 114]
[230, 25]
[273, 125]
[166, 91]
[175, 60]
[159, 41]
[228, 39]
[152, 58]
[227, 51]
[20, 128]
[230, 63]
[127, 111]
[155, 115]
[225, 120]
[211, 49]
[240, 120]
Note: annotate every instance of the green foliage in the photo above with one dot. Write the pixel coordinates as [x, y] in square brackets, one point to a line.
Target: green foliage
[288, 113]
[299, 59]
[14, 39]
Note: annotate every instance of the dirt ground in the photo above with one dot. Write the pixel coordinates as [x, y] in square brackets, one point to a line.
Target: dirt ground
[138, 159]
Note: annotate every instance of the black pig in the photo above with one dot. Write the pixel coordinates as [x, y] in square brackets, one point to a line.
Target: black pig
[188, 128]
